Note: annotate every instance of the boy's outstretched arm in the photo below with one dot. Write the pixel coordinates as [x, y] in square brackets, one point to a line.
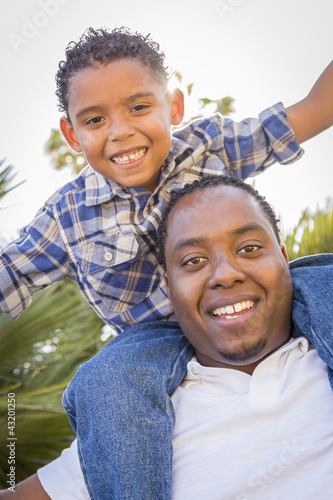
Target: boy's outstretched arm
[314, 113]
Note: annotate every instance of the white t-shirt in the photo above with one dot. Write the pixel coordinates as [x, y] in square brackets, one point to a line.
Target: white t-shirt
[241, 437]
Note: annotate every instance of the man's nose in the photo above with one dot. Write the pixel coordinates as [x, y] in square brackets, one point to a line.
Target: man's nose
[120, 129]
[225, 272]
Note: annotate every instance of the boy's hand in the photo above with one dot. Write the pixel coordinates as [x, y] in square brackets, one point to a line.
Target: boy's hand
[314, 113]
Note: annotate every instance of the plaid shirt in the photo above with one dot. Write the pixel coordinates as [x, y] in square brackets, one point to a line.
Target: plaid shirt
[103, 235]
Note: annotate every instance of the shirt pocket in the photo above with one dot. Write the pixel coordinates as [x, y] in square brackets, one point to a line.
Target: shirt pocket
[117, 272]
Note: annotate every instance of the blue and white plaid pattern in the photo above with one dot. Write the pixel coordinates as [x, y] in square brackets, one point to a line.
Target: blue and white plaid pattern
[103, 236]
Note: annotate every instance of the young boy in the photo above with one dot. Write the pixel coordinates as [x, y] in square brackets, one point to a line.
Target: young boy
[101, 229]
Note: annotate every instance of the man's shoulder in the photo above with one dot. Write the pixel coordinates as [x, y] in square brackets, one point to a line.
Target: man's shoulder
[312, 261]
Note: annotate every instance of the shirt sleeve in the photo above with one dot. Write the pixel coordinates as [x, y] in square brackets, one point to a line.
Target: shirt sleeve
[35, 260]
[240, 149]
[62, 479]
[249, 147]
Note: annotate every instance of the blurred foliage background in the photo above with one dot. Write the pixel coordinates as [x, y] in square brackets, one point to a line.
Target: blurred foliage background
[43, 348]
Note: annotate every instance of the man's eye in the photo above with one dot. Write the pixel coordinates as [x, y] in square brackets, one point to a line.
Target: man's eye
[96, 119]
[195, 261]
[249, 249]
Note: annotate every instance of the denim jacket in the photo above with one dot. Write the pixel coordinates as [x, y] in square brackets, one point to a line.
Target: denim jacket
[313, 304]
[119, 401]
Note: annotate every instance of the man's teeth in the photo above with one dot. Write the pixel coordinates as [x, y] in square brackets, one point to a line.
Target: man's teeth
[240, 306]
[126, 158]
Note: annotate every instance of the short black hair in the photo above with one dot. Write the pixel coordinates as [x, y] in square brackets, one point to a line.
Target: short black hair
[105, 46]
[207, 182]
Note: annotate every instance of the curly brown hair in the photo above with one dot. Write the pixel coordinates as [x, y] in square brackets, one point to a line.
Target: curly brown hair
[105, 46]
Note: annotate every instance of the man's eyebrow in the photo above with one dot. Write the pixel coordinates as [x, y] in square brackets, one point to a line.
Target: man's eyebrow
[233, 232]
[188, 242]
[246, 228]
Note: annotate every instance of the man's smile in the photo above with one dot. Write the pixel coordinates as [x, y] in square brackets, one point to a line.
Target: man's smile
[229, 311]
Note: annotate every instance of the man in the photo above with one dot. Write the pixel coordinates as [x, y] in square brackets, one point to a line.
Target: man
[253, 415]
[254, 412]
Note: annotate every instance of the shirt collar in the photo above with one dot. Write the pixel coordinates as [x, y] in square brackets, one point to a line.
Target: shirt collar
[195, 369]
[99, 189]
[262, 387]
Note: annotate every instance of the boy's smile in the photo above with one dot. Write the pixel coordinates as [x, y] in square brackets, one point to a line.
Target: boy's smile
[225, 266]
[121, 117]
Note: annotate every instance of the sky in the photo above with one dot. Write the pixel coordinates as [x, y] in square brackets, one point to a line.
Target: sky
[258, 51]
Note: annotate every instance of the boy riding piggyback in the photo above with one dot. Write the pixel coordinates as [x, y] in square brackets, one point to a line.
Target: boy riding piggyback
[100, 229]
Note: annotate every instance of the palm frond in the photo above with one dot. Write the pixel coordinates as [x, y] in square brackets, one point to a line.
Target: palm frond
[6, 178]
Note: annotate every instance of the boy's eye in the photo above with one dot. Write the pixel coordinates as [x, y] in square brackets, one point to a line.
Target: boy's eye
[140, 107]
[94, 120]
[249, 249]
[194, 261]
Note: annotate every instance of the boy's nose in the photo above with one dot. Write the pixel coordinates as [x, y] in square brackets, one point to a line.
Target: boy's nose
[225, 273]
[120, 130]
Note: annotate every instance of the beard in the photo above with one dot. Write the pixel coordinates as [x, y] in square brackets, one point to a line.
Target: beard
[246, 352]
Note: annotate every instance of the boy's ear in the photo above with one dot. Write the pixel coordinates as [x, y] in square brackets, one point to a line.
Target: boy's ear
[69, 134]
[177, 107]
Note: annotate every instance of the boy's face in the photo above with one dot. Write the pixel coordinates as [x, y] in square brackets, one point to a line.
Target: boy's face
[228, 278]
[120, 118]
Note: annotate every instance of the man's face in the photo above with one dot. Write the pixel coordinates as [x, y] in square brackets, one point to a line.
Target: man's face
[228, 278]
[121, 118]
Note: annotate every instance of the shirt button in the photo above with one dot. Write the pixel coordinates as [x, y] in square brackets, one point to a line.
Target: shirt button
[108, 256]
[151, 203]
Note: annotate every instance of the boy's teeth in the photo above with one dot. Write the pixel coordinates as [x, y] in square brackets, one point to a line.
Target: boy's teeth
[231, 309]
[125, 158]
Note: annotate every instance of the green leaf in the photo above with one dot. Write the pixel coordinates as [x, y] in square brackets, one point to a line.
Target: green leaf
[6, 178]
[189, 89]
[40, 353]
[313, 234]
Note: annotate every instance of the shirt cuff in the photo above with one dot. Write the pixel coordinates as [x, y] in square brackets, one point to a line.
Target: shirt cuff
[62, 479]
[285, 148]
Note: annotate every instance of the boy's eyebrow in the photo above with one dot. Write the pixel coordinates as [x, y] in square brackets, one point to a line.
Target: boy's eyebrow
[139, 95]
[126, 100]
[88, 109]
[234, 232]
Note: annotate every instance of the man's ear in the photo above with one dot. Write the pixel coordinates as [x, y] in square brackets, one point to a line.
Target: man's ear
[284, 253]
[165, 275]
[69, 134]
[177, 107]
